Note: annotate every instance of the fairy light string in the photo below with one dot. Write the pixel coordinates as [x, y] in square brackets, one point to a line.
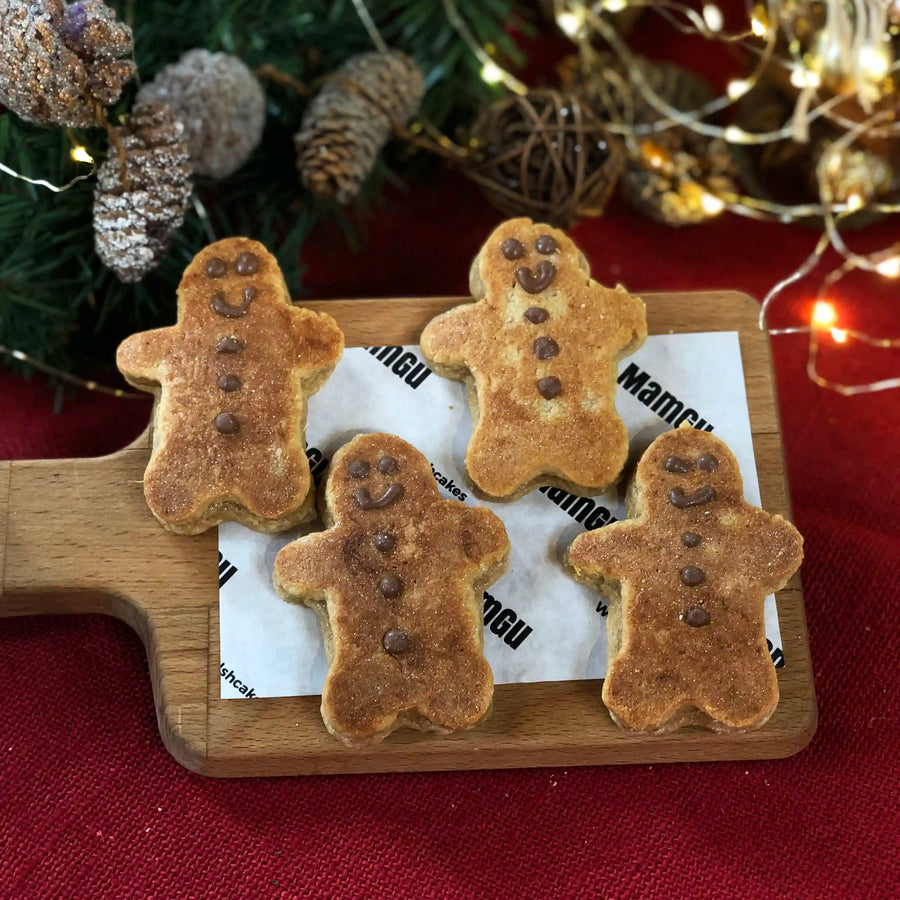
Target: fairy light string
[854, 40]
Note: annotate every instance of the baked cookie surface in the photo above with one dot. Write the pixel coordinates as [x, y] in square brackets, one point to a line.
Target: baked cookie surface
[231, 380]
[538, 351]
[397, 580]
[687, 576]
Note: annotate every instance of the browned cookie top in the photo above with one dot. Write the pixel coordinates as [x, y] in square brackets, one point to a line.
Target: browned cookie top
[401, 571]
[541, 344]
[694, 565]
[233, 376]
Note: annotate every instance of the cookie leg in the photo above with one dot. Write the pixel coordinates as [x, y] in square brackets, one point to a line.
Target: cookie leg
[363, 697]
[749, 685]
[499, 460]
[171, 494]
[640, 694]
[459, 690]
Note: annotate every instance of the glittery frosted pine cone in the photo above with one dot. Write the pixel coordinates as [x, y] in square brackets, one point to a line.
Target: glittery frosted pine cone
[60, 63]
[350, 120]
[219, 102]
[135, 216]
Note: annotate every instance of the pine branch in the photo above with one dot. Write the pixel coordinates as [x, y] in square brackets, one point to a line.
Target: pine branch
[58, 303]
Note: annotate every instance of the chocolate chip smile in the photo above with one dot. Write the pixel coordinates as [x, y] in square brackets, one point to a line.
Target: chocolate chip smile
[364, 499]
[221, 307]
[535, 283]
[680, 500]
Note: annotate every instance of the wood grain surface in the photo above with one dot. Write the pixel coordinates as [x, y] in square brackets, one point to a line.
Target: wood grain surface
[78, 537]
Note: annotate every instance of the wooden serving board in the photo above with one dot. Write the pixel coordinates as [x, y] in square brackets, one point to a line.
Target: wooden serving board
[80, 539]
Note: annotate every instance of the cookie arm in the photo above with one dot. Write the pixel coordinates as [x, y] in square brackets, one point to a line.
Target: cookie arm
[318, 341]
[303, 567]
[446, 337]
[140, 357]
[632, 314]
[609, 552]
[778, 549]
[483, 537]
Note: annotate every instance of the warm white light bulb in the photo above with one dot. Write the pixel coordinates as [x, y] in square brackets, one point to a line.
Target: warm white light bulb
[615, 5]
[824, 314]
[890, 267]
[80, 154]
[758, 27]
[804, 78]
[491, 73]
[711, 204]
[570, 23]
[855, 201]
[838, 335]
[737, 88]
[735, 135]
[712, 15]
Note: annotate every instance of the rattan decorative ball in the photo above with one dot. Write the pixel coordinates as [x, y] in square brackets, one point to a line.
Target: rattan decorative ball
[546, 155]
[219, 102]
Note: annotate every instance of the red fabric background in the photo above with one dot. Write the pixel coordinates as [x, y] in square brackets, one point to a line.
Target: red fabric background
[91, 805]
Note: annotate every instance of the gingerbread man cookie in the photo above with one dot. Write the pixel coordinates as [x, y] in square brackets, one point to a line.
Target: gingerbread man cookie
[397, 581]
[688, 577]
[231, 381]
[538, 351]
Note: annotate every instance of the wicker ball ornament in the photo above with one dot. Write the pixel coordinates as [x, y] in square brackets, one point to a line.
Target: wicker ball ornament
[219, 102]
[545, 155]
[350, 120]
[60, 64]
[137, 209]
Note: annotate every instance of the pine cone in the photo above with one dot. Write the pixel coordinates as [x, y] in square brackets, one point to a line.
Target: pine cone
[351, 118]
[134, 219]
[219, 102]
[59, 62]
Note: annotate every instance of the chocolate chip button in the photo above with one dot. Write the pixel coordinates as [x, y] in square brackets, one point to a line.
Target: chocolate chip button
[358, 468]
[387, 465]
[384, 542]
[228, 383]
[676, 465]
[691, 539]
[229, 345]
[546, 245]
[226, 423]
[247, 264]
[546, 348]
[396, 642]
[390, 587]
[549, 387]
[512, 249]
[216, 268]
[536, 315]
[696, 617]
[692, 576]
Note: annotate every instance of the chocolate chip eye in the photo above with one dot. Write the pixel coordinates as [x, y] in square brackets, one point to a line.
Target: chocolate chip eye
[512, 249]
[387, 465]
[358, 468]
[677, 466]
[546, 245]
[708, 462]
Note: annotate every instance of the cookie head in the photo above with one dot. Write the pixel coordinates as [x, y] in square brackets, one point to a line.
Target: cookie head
[535, 261]
[686, 470]
[377, 479]
[230, 280]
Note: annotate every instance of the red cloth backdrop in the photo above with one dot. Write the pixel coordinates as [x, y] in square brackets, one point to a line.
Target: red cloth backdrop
[93, 806]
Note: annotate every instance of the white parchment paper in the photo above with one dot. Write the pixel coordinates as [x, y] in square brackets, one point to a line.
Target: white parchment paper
[540, 624]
